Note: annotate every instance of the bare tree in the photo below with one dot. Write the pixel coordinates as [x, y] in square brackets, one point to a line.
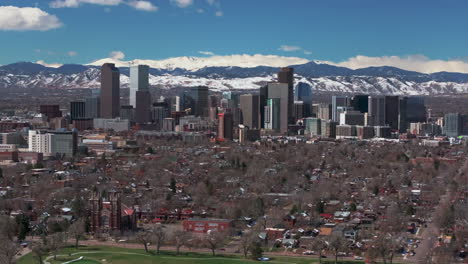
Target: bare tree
[384, 247]
[55, 242]
[8, 227]
[77, 231]
[337, 244]
[158, 236]
[144, 237]
[8, 251]
[180, 239]
[246, 242]
[40, 250]
[318, 245]
[214, 240]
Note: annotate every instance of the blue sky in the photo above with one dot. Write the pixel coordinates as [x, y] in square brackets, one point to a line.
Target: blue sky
[331, 30]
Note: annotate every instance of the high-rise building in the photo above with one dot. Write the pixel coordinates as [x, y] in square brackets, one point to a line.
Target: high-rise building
[328, 129]
[355, 118]
[110, 91]
[77, 110]
[415, 109]
[196, 99]
[303, 93]
[263, 103]
[143, 107]
[298, 110]
[168, 124]
[159, 113]
[249, 104]
[201, 107]
[225, 126]
[281, 91]
[376, 115]
[402, 120]
[52, 142]
[453, 125]
[324, 111]
[175, 104]
[392, 111]
[50, 111]
[286, 75]
[273, 115]
[360, 103]
[313, 126]
[338, 101]
[138, 82]
[93, 107]
[127, 112]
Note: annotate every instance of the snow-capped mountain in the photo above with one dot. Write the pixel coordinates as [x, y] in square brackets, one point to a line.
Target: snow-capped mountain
[197, 63]
[320, 76]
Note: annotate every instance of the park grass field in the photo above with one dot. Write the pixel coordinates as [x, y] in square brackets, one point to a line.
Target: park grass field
[103, 255]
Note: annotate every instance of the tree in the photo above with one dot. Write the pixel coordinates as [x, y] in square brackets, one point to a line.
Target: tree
[55, 242]
[318, 245]
[77, 231]
[23, 226]
[336, 243]
[8, 227]
[173, 185]
[383, 247]
[8, 250]
[78, 207]
[1, 173]
[246, 242]
[40, 250]
[144, 238]
[214, 240]
[180, 239]
[256, 250]
[158, 237]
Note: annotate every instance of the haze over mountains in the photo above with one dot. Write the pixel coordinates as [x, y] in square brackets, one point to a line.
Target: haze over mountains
[239, 72]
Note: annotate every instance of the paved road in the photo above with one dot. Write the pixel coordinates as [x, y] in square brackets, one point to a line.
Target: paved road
[430, 234]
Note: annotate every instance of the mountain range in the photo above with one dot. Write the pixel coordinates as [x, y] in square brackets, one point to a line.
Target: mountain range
[242, 74]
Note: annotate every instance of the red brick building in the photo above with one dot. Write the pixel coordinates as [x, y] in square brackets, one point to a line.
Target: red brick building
[205, 225]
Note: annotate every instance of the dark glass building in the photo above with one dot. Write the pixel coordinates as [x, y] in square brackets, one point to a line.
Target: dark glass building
[77, 110]
[286, 75]
[110, 91]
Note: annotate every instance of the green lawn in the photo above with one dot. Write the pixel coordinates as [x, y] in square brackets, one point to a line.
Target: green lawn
[104, 255]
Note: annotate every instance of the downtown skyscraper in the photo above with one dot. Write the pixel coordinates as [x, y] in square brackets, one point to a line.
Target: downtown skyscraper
[110, 91]
[139, 81]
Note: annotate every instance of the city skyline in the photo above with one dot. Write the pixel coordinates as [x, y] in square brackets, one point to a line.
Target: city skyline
[317, 31]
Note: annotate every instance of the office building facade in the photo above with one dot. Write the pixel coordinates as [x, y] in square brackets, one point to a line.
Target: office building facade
[250, 106]
[139, 81]
[110, 91]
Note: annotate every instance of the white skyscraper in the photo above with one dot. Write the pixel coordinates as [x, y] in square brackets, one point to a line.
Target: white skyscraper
[138, 81]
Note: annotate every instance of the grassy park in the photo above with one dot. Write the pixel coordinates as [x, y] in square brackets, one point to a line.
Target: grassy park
[98, 254]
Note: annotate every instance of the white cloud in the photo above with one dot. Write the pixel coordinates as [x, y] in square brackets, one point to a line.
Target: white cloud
[289, 48]
[306, 52]
[27, 18]
[211, 2]
[219, 13]
[72, 53]
[183, 3]
[50, 65]
[143, 5]
[76, 3]
[208, 53]
[117, 55]
[419, 63]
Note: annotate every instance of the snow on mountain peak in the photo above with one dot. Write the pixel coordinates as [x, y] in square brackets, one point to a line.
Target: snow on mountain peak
[196, 63]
